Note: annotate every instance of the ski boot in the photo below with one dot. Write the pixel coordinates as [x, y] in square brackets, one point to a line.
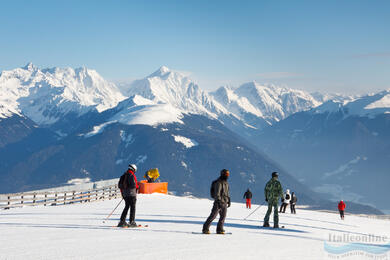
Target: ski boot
[276, 226]
[221, 232]
[123, 224]
[206, 231]
[133, 224]
[266, 224]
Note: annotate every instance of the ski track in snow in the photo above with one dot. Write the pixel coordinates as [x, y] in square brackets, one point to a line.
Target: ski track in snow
[77, 232]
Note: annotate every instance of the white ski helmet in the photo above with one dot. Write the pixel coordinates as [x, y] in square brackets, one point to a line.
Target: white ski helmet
[133, 167]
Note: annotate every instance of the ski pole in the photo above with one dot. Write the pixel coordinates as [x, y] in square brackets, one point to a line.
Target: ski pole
[254, 211]
[104, 221]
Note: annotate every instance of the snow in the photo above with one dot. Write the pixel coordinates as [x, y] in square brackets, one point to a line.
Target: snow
[44, 95]
[384, 102]
[187, 142]
[79, 181]
[149, 115]
[76, 232]
[98, 129]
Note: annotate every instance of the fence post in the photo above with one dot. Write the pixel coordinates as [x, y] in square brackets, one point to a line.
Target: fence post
[21, 202]
[73, 197]
[9, 200]
[34, 198]
[64, 198]
[45, 199]
[89, 196]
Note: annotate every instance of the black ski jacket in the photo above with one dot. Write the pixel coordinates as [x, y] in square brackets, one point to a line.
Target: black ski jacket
[248, 194]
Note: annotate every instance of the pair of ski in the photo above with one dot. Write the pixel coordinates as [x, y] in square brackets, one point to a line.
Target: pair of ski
[138, 226]
[230, 233]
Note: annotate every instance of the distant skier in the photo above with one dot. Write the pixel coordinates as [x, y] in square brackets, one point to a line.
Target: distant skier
[273, 191]
[341, 207]
[128, 186]
[293, 202]
[285, 201]
[219, 191]
[248, 197]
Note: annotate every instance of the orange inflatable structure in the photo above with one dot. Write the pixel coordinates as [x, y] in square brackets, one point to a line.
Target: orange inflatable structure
[149, 188]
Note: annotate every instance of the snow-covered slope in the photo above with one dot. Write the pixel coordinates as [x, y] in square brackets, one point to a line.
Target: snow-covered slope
[77, 232]
[46, 95]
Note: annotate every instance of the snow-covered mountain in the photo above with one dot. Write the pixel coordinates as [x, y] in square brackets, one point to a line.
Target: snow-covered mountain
[46, 95]
[255, 103]
[365, 106]
[243, 110]
[341, 149]
[174, 88]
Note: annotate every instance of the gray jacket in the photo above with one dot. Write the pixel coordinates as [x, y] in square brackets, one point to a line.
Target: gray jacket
[222, 191]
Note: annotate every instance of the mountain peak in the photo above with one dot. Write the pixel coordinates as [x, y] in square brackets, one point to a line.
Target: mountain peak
[29, 66]
[163, 70]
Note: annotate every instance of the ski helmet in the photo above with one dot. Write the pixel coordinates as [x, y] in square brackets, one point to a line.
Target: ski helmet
[275, 174]
[133, 167]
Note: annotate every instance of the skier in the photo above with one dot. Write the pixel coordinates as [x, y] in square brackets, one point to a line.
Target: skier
[285, 201]
[273, 191]
[220, 192]
[248, 197]
[293, 202]
[341, 207]
[128, 185]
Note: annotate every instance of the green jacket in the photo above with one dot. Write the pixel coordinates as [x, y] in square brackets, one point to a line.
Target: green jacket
[273, 190]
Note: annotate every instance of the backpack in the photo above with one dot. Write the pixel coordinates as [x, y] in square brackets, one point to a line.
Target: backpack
[213, 189]
[121, 183]
[287, 196]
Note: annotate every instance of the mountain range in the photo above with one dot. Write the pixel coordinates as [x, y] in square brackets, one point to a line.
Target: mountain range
[62, 123]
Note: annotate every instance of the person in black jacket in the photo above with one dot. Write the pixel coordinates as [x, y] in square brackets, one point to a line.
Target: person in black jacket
[128, 186]
[220, 193]
[248, 197]
[293, 202]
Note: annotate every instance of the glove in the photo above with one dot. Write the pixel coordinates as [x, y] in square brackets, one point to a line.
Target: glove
[229, 203]
[266, 199]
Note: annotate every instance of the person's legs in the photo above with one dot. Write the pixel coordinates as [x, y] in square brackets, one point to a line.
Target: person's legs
[213, 215]
[222, 217]
[133, 201]
[276, 215]
[126, 209]
[267, 215]
[250, 205]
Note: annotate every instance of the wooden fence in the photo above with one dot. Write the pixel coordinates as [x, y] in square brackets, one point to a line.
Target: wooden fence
[54, 198]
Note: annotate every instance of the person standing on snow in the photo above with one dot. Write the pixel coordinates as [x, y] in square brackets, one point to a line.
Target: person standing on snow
[293, 202]
[341, 207]
[128, 185]
[220, 192]
[248, 197]
[286, 201]
[273, 191]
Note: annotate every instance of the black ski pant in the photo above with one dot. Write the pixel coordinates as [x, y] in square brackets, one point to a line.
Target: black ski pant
[218, 208]
[283, 207]
[292, 207]
[130, 203]
[341, 214]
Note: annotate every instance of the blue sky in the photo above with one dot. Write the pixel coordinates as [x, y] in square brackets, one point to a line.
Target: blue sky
[330, 46]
